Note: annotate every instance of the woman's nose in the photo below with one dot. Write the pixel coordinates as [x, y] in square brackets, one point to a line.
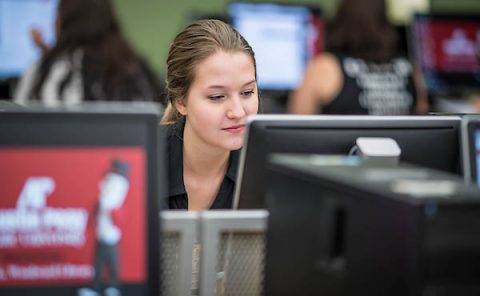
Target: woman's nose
[235, 108]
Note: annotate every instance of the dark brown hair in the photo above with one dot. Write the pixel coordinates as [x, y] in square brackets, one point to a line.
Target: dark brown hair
[110, 68]
[194, 44]
[361, 29]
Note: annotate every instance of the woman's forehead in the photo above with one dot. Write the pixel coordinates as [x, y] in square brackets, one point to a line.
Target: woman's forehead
[223, 67]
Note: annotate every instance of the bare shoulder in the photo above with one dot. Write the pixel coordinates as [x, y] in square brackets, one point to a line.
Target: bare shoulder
[326, 61]
[321, 82]
[328, 71]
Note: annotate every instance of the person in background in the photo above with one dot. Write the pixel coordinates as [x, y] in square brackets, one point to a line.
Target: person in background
[361, 72]
[38, 40]
[211, 86]
[90, 61]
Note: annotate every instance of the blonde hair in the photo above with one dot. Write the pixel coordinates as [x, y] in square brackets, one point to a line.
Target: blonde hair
[194, 44]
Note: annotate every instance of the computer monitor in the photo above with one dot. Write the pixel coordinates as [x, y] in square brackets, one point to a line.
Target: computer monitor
[17, 18]
[284, 37]
[471, 148]
[80, 202]
[431, 141]
[447, 48]
[342, 227]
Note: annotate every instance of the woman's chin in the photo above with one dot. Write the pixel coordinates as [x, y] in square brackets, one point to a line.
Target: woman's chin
[235, 145]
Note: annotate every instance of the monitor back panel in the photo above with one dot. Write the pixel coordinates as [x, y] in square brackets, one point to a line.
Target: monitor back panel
[427, 141]
[79, 206]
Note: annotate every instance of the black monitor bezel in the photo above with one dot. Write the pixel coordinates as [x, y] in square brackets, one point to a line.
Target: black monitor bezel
[28, 128]
[261, 122]
[470, 125]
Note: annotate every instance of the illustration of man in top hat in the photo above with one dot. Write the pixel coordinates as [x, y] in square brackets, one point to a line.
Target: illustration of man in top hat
[113, 191]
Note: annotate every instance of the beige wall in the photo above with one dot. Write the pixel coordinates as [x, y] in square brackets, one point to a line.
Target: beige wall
[472, 6]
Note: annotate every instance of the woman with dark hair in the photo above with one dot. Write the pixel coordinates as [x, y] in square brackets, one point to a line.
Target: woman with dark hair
[90, 61]
[362, 71]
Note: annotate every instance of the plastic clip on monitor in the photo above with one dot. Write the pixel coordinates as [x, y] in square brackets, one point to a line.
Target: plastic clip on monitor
[377, 149]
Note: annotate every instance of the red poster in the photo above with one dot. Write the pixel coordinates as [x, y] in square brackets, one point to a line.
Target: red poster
[65, 211]
[451, 46]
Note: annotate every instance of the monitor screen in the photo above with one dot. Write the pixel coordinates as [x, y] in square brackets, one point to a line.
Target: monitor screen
[447, 48]
[80, 201]
[17, 18]
[283, 37]
[355, 228]
[431, 141]
[471, 148]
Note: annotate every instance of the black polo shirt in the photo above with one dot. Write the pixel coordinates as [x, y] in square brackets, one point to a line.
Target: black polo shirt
[177, 197]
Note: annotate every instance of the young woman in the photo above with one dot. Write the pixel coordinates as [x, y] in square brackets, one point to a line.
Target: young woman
[362, 71]
[90, 61]
[211, 84]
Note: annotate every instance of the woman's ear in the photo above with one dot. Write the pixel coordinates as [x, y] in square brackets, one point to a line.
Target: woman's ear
[180, 106]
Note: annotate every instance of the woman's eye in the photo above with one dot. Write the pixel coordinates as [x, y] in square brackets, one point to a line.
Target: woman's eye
[248, 93]
[216, 98]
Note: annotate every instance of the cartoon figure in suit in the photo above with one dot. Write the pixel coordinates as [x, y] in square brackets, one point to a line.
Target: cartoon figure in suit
[113, 191]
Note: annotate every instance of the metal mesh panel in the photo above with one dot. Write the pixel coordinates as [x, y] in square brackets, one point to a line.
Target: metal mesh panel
[169, 263]
[195, 269]
[240, 264]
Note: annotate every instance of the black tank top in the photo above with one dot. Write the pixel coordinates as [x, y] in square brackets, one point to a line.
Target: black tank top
[374, 89]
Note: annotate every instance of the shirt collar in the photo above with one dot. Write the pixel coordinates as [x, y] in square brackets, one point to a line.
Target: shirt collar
[177, 186]
[232, 169]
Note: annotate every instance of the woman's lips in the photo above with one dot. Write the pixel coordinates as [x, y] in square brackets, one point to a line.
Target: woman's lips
[235, 129]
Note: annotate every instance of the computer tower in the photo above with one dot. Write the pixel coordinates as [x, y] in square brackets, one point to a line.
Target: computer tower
[338, 226]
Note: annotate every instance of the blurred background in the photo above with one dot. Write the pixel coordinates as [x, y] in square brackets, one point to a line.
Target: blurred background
[151, 25]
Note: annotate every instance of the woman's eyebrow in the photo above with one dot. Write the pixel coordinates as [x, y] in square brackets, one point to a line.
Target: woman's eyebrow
[216, 86]
[224, 87]
[250, 82]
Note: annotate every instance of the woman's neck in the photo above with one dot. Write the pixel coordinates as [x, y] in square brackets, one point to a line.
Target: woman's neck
[204, 168]
[201, 159]
[204, 164]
